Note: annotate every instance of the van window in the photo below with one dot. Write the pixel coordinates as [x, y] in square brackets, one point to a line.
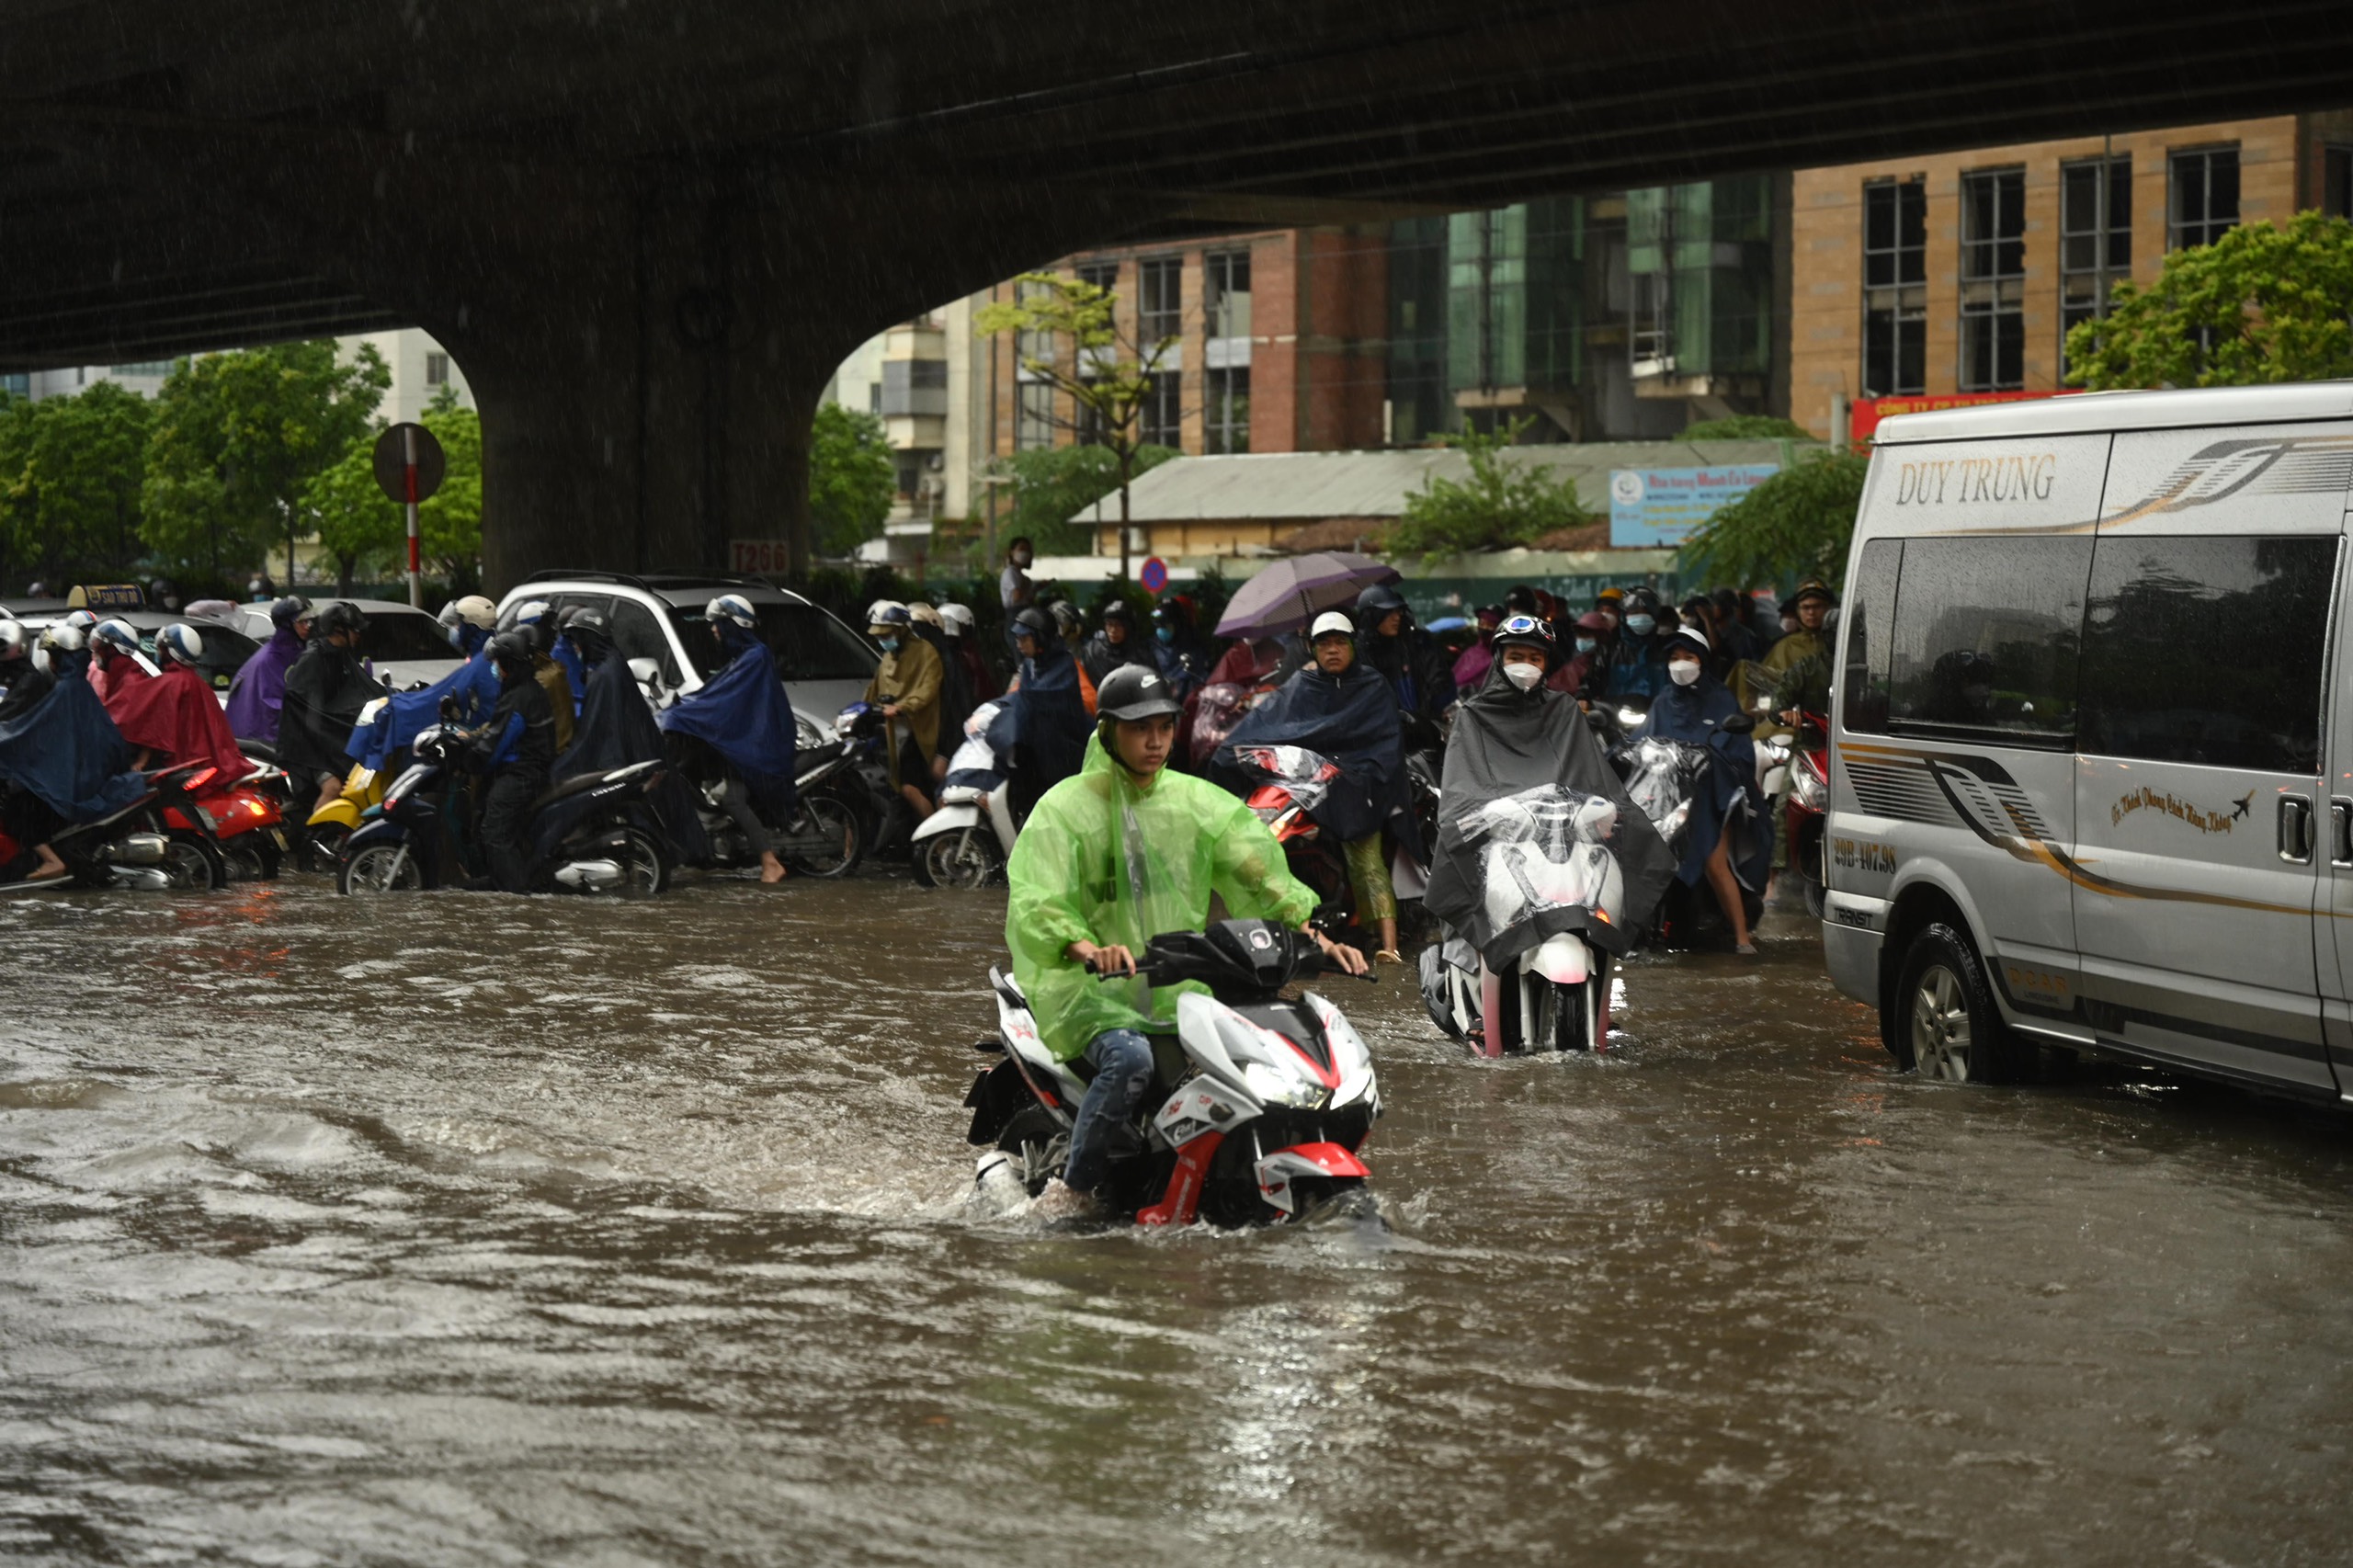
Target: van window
[1870, 610]
[1985, 639]
[2208, 651]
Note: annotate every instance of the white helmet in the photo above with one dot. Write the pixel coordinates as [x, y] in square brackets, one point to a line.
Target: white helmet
[117, 635]
[181, 641]
[734, 607]
[925, 614]
[64, 635]
[955, 620]
[877, 612]
[12, 638]
[472, 610]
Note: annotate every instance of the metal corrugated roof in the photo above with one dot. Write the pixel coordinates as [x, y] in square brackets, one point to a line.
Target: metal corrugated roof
[1310, 486]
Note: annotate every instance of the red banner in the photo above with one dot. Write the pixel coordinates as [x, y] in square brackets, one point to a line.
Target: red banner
[1869, 411]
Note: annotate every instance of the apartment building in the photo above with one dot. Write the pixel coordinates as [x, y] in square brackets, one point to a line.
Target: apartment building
[1962, 273]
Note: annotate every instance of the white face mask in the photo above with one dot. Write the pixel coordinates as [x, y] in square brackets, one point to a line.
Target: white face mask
[1524, 676]
[1683, 672]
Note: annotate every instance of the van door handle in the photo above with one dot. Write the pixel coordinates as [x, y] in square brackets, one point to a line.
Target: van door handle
[2296, 830]
[2340, 832]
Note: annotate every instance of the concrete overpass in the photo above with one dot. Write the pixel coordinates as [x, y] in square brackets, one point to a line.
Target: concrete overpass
[648, 229]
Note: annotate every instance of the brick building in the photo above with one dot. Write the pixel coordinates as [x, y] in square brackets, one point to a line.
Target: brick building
[1962, 272]
[1278, 344]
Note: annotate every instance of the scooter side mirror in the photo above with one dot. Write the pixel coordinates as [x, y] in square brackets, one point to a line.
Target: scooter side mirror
[1739, 724]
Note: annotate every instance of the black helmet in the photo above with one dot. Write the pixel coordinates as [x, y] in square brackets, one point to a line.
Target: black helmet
[1120, 611]
[1639, 601]
[1377, 601]
[514, 646]
[1526, 631]
[289, 610]
[1036, 623]
[1133, 691]
[587, 632]
[340, 615]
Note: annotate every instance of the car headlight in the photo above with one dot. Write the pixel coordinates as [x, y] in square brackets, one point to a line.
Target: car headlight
[806, 733]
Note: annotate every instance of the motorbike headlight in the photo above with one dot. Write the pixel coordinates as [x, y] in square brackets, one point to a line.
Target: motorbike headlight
[1630, 717]
[806, 733]
[1810, 791]
[1272, 1087]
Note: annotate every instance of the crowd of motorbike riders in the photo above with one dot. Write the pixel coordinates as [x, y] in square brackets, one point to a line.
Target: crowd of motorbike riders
[1362, 691]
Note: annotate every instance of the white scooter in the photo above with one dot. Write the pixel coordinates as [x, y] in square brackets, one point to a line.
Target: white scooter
[1546, 875]
[967, 841]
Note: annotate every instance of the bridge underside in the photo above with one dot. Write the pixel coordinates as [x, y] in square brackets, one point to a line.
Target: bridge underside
[649, 232]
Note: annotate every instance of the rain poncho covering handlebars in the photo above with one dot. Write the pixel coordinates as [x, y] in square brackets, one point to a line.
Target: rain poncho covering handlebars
[1528, 811]
[1105, 860]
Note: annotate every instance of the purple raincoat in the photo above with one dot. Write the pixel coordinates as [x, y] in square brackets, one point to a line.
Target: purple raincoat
[259, 691]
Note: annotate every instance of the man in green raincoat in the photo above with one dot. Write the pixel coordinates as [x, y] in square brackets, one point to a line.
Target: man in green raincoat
[1109, 860]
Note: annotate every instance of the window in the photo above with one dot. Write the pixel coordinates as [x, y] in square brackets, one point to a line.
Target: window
[1034, 427]
[2203, 200]
[638, 635]
[2153, 686]
[1163, 307]
[141, 367]
[393, 635]
[1225, 416]
[2336, 181]
[1993, 281]
[1895, 288]
[808, 643]
[1103, 274]
[1225, 293]
[1163, 410]
[2095, 237]
[1984, 639]
[1869, 612]
[437, 370]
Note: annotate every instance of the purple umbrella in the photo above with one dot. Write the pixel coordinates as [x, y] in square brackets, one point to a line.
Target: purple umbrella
[1285, 596]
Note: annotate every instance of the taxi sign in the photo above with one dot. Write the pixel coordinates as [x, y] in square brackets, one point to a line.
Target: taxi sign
[106, 595]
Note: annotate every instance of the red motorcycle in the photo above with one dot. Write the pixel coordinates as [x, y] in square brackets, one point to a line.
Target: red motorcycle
[135, 848]
[240, 817]
[1292, 781]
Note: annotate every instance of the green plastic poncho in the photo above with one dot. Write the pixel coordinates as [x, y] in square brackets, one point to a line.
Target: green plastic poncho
[1105, 860]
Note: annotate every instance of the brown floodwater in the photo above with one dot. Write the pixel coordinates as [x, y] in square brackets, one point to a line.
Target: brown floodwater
[460, 1229]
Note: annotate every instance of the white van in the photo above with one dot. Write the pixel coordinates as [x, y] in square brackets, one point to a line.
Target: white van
[2092, 767]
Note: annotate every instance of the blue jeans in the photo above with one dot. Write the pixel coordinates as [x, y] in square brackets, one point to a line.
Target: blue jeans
[1123, 1063]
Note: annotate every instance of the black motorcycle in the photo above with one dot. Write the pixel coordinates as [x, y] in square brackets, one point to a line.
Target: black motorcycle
[834, 822]
[593, 834]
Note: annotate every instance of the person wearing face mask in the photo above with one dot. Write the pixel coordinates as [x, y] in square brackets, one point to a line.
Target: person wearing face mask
[1513, 735]
[1417, 670]
[1184, 659]
[1341, 709]
[1014, 585]
[1581, 673]
[1638, 663]
[906, 685]
[1729, 842]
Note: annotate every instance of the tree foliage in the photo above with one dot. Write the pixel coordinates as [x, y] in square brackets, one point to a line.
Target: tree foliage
[1747, 428]
[2259, 304]
[365, 530]
[238, 437]
[852, 479]
[1050, 484]
[1504, 502]
[1797, 524]
[1069, 335]
[70, 473]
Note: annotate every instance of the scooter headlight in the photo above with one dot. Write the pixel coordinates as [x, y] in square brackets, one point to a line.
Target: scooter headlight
[1272, 1087]
[1810, 791]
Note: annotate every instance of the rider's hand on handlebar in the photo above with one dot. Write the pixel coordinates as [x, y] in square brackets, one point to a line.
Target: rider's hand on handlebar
[1341, 956]
[1113, 960]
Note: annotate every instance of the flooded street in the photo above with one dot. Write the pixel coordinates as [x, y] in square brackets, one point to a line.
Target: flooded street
[458, 1230]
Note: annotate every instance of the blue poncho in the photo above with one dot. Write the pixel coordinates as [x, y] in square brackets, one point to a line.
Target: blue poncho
[743, 714]
[474, 684]
[1696, 715]
[65, 750]
[1351, 718]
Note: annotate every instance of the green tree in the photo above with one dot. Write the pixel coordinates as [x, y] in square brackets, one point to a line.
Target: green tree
[2259, 304]
[1797, 524]
[1052, 484]
[70, 474]
[852, 479]
[363, 529]
[1747, 428]
[238, 437]
[1503, 504]
[1068, 334]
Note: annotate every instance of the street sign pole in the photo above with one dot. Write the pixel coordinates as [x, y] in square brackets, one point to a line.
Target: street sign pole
[408, 487]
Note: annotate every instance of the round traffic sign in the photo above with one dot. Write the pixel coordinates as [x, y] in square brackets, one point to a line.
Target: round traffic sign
[396, 449]
[1153, 575]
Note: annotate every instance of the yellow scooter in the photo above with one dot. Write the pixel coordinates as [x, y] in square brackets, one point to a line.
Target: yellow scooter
[330, 824]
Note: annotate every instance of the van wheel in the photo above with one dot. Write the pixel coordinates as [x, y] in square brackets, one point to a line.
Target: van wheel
[1946, 1025]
